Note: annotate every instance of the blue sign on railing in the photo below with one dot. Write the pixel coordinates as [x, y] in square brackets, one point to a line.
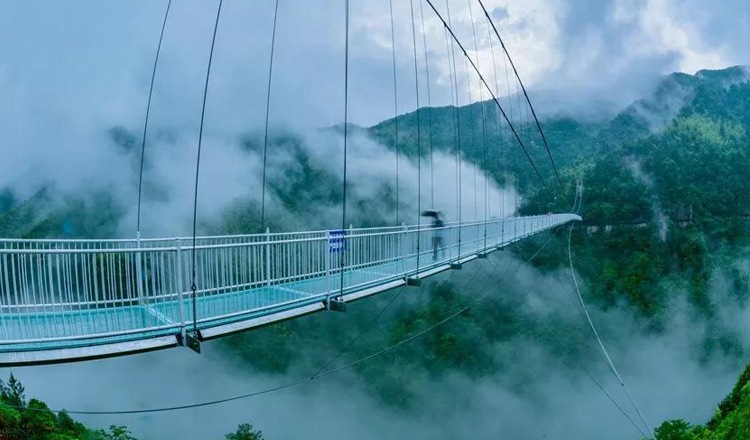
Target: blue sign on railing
[336, 241]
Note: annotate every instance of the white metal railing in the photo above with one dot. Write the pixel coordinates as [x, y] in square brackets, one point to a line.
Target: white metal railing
[56, 292]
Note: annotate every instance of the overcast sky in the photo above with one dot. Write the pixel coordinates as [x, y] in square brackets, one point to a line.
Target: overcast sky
[89, 61]
[70, 70]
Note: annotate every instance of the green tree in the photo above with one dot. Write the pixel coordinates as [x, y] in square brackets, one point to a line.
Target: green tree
[676, 430]
[13, 393]
[245, 431]
[115, 433]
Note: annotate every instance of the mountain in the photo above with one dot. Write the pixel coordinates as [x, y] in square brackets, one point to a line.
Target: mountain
[731, 421]
[666, 193]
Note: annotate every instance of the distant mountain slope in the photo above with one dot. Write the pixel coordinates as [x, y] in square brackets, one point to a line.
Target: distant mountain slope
[731, 421]
[571, 141]
[305, 180]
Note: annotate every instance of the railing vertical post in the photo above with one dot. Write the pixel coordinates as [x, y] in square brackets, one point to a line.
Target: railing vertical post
[485, 230]
[327, 251]
[180, 288]
[352, 256]
[268, 257]
[139, 267]
[403, 248]
[502, 231]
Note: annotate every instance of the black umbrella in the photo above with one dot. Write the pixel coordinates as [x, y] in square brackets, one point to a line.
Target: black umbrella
[430, 213]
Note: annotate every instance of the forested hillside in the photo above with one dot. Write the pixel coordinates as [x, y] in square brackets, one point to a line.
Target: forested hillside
[731, 421]
[665, 206]
[32, 420]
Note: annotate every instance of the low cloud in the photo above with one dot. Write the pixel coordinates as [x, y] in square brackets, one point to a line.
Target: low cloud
[536, 395]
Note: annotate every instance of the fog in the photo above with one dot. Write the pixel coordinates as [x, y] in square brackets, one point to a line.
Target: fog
[70, 71]
[536, 396]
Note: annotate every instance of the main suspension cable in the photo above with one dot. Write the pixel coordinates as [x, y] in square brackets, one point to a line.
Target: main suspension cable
[494, 98]
[531, 106]
[193, 286]
[148, 113]
[268, 110]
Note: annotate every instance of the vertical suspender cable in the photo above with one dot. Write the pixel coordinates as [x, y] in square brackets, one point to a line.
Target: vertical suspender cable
[148, 112]
[486, 85]
[456, 139]
[419, 133]
[484, 128]
[342, 259]
[498, 126]
[521, 114]
[193, 286]
[268, 111]
[510, 109]
[458, 131]
[429, 108]
[395, 106]
[528, 100]
[472, 131]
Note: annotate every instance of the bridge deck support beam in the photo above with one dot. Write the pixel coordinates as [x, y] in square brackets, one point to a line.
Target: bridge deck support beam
[414, 282]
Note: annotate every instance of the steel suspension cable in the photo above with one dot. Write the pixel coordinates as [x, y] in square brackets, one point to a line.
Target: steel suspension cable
[193, 286]
[498, 127]
[614, 402]
[395, 106]
[456, 141]
[610, 363]
[342, 258]
[510, 107]
[531, 106]
[494, 98]
[457, 116]
[268, 111]
[584, 328]
[419, 135]
[570, 296]
[429, 109]
[148, 113]
[521, 113]
[472, 131]
[484, 127]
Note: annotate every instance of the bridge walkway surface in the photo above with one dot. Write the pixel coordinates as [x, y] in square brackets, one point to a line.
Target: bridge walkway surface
[65, 300]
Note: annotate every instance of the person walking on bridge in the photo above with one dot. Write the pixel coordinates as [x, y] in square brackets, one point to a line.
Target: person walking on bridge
[437, 231]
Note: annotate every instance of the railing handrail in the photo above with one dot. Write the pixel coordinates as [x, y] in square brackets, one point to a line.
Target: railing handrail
[53, 291]
[237, 236]
[265, 239]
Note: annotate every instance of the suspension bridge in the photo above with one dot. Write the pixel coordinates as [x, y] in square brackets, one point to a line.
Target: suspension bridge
[65, 300]
[80, 299]
[71, 300]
